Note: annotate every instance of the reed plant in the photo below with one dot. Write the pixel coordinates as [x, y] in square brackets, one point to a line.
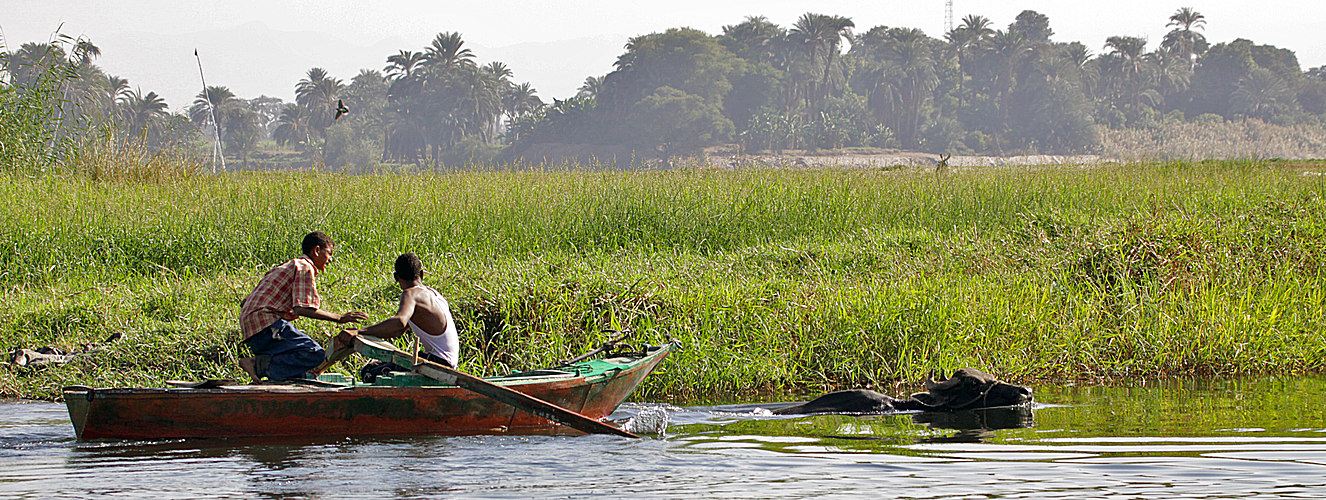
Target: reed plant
[1212, 137]
[31, 141]
[769, 280]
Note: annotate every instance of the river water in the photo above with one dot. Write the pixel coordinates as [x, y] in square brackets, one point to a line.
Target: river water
[1243, 438]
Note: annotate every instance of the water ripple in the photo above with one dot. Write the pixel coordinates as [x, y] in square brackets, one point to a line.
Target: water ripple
[727, 451]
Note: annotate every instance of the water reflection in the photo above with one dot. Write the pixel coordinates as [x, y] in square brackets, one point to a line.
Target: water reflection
[975, 426]
[972, 426]
[1192, 438]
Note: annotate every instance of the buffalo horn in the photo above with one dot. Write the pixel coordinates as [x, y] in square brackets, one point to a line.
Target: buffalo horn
[931, 382]
[947, 383]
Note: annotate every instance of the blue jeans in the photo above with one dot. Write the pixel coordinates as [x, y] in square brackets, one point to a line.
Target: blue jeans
[291, 354]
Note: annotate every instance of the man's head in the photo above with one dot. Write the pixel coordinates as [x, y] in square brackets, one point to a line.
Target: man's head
[409, 269]
[318, 247]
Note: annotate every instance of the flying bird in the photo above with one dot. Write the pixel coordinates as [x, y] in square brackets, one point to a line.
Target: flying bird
[340, 109]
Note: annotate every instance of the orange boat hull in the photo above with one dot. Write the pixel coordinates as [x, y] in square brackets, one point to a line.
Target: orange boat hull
[354, 410]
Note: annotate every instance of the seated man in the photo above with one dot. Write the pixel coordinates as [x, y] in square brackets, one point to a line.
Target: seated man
[422, 310]
[285, 293]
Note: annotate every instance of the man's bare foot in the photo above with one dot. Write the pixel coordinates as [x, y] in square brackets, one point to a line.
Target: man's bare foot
[250, 366]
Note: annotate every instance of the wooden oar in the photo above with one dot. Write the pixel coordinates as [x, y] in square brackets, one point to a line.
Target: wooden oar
[520, 400]
[335, 354]
[210, 383]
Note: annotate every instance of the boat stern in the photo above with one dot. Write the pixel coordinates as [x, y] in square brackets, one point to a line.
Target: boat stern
[78, 399]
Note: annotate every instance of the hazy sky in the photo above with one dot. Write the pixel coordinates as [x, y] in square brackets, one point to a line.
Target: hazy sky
[264, 46]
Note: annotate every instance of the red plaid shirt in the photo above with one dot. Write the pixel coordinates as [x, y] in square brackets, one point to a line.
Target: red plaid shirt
[285, 287]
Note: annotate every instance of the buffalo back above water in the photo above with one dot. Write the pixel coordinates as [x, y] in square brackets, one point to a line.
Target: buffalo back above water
[966, 389]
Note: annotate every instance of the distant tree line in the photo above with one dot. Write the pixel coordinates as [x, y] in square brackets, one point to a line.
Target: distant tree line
[434, 104]
[979, 90]
[819, 84]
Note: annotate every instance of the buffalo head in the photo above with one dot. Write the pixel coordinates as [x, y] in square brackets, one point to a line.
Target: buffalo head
[969, 388]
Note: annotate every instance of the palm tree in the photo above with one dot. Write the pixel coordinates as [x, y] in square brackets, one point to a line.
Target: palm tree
[842, 28]
[214, 97]
[141, 109]
[755, 39]
[499, 76]
[477, 106]
[244, 128]
[310, 87]
[914, 79]
[819, 37]
[318, 92]
[292, 127]
[446, 51]
[1129, 71]
[209, 111]
[1172, 76]
[404, 128]
[116, 88]
[1078, 55]
[521, 100]
[592, 87]
[964, 39]
[403, 64]
[1182, 40]
[809, 35]
[85, 52]
[1261, 94]
[406, 82]
[498, 70]
[1009, 50]
[31, 62]
[113, 91]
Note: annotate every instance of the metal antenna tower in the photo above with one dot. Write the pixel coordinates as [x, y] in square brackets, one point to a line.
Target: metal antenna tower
[216, 127]
[948, 16]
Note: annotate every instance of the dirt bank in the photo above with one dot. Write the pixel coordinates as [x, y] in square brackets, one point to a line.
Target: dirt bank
[624, 157]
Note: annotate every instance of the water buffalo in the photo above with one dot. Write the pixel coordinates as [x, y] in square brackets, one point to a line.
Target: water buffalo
[967, 389]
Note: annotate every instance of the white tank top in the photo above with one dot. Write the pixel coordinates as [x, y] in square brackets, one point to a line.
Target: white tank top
[447, 345]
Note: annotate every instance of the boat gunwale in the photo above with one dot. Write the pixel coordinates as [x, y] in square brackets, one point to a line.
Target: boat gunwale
[595, 376]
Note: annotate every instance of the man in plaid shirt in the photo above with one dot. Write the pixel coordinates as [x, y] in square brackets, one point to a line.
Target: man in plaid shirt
[285, 293]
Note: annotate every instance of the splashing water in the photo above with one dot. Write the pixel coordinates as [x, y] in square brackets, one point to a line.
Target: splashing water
[649, 419]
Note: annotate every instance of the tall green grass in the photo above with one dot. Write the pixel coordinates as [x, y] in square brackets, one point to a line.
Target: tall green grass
[771, 280]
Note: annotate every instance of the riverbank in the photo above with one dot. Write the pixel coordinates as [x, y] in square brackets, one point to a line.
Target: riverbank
[771, 280]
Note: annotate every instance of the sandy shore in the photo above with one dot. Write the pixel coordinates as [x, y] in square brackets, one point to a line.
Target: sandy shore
[905, 159]
[624, 157]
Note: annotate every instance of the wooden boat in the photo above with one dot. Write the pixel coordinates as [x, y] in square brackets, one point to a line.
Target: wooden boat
[401, 403]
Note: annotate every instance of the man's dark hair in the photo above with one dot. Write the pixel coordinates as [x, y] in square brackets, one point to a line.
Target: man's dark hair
[316, 239]
[409, 267]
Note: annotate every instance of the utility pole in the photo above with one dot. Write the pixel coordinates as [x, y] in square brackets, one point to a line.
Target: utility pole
[216, 128]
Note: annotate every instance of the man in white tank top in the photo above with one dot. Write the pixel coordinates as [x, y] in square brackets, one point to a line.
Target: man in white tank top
[422, 310]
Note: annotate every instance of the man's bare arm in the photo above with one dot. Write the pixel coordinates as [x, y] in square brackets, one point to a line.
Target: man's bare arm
[316, 313]
[396, 325]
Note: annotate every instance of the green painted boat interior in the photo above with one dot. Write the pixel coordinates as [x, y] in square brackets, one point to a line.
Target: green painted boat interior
[591, 370]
